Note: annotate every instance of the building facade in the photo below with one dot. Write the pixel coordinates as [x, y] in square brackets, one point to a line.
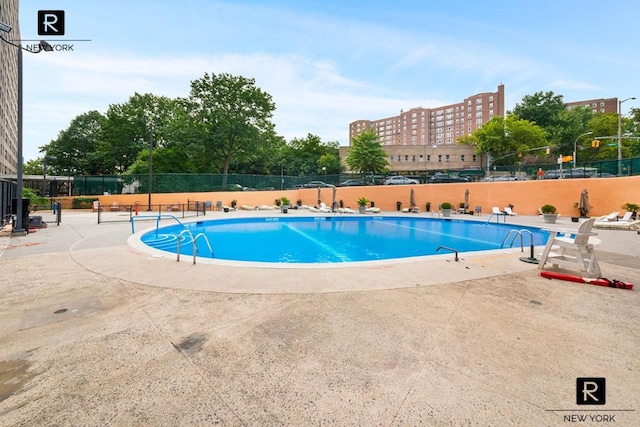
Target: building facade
[602, 105]
[423, 139]
[9, 88]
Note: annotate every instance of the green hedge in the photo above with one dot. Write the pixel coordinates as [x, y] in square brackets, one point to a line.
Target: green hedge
[83, 202]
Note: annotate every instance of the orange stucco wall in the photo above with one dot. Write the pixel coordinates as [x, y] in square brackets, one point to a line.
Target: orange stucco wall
[605, 195]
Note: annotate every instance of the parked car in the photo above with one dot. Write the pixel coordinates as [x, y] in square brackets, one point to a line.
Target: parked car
[317, 184]
[566, 174]
[399, 180]
[350, 183]
[439, 178]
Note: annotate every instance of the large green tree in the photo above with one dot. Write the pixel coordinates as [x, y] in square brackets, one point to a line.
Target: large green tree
[229, 114]
[366, 154]
[75, 150]
[541, 108]
[128, 128]
[307, 156]
[504, 139]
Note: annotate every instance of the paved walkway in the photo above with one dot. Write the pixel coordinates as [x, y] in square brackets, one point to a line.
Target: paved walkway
[94, 331]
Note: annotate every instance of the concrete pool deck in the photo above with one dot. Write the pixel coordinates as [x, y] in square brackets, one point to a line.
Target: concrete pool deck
[94, 331]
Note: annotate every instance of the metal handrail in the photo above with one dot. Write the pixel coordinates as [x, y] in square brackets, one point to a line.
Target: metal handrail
[449, 249]
[531, 259]
[158, 218]
[194, 241]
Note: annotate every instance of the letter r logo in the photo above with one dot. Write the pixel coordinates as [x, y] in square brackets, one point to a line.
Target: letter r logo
[51, 22]
[590, 391]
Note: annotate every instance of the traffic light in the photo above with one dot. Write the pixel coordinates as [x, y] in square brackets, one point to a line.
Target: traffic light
[595, 143]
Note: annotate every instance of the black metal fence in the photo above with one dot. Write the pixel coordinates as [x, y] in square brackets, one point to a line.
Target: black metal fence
[188, 183]
[124, 213]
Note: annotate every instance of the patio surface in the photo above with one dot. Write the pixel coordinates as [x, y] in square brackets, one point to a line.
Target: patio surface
[94, 331]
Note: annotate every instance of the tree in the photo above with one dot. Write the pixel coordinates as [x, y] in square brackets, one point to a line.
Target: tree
[504, 138]
[366, 154]
[307, 156]
[127, 130]
[541, 108]
[229, 113]
[73, 152]
[602, 125]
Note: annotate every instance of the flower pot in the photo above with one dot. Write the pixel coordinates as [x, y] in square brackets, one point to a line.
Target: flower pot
[446, 212]
[550, 218]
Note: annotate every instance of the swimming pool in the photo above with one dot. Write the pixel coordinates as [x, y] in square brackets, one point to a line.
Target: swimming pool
[335, 240]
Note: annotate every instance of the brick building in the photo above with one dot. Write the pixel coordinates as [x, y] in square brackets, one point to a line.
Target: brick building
[9, 89]
[426, 138]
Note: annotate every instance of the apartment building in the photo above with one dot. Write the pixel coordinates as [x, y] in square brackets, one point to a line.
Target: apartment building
[602, 105]
[426, 138]
[9, 89]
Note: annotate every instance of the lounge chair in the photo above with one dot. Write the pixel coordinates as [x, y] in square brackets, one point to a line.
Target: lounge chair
[572, 249]
[618, 225]
[96, 205]
[509, 211]
[346, 210]
[498, 213]
[613, 216]
[478, 210]
[324, 208]
[115, 206]
[372, 210]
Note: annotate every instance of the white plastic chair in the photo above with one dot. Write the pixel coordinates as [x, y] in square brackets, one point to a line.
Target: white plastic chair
[572, 249]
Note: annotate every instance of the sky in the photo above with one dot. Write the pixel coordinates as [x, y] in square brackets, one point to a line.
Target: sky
[326, 63]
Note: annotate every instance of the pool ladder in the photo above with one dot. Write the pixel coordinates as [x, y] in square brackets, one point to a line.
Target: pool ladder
[520, 233]
[194, 242]
[450, 250]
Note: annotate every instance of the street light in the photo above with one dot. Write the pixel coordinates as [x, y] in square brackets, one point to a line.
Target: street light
[620, 133]
[575, 147]
[44, 173]
[19, 226]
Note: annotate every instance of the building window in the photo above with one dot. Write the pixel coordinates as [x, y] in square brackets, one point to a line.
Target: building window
[439, 157]
[447, 157]
[462, 157]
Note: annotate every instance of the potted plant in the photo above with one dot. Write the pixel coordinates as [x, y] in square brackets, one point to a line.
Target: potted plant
[632, 207]
[446, 209]
[284, 204]
[428, 206]
[549, 214]
[399, 205]
[234, 203]
[362, 204]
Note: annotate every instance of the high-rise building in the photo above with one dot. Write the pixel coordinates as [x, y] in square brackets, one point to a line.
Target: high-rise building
[435, 126]
[423, 139]
[9, 88]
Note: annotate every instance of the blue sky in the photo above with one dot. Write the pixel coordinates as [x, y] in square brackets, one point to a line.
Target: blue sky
[327, 63]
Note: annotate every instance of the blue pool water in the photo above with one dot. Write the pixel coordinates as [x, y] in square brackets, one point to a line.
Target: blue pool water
[336, 239]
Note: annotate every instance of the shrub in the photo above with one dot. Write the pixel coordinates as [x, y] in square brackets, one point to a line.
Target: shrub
[446, 205]
[83, 202]
[548, 209]
[362, 201]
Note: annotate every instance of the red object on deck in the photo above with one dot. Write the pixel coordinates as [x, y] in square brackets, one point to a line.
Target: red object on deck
[598, 282]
